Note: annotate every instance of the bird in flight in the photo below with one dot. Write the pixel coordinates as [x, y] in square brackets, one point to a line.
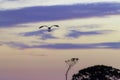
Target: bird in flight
[49, 27]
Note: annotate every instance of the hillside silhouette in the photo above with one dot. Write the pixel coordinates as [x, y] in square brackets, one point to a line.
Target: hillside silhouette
[98, 72]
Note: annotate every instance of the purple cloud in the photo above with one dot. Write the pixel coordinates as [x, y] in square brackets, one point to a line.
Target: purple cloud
[106, 45]
[15, 44]
[34, 33]
[43, 34]
[11, 0]
[92, 26]
[61, 12]
[76, 33]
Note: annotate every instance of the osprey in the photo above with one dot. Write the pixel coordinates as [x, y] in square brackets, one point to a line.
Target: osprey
[49, 28]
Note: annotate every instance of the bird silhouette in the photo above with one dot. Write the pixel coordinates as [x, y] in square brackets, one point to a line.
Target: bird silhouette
[49, 28]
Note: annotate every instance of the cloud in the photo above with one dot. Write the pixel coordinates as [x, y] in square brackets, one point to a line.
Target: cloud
[15, 4]
[76, 33]
[92, 26]
[105, 45]
[0, 44]
[112, 45]
[61, 12]
[43, 34]
[17, 45]
[34, 33]
[9, 0]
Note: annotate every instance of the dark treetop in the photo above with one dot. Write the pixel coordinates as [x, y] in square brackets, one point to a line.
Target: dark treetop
[98, 72]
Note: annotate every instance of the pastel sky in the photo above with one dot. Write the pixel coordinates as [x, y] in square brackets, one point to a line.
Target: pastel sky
[13, 4]
[88, 30]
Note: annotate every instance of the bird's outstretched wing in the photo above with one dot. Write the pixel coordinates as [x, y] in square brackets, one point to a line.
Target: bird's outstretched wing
[55, 26]
[43, 26]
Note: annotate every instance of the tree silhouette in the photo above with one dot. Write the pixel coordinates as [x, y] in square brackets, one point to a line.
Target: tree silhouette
[70, 64]
[98, 72]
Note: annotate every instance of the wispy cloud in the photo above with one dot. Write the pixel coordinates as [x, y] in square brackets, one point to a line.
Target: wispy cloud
[76, 33]
[42, 34]
[105, 45]
[16, 4]
[92, 26]
[52, 13]
[17, 45]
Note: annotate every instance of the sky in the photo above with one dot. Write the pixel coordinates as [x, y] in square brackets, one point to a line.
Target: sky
[15, 4]
[88, 30]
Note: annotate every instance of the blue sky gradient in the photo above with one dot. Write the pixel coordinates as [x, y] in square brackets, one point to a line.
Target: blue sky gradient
[88, 30]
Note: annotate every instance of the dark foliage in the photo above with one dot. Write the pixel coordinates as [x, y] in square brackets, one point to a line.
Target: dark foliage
[98, 72]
